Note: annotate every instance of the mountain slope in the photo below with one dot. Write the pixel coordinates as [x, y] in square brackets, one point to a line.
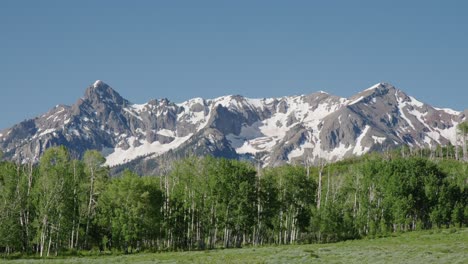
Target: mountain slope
[272, 131]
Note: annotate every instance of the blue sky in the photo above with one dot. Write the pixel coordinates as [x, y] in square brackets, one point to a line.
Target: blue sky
[50, 51]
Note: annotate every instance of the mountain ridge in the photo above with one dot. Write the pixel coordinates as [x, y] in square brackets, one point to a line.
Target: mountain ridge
[271, 131]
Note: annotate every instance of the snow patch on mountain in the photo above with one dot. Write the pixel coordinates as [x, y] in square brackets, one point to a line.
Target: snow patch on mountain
[359, 149]
[402, 105]
[298, 152]
[132, 113]
[415, 102]
[336, 153]
[198, 118]
[48, 131]
[378, 140]
[448, 111]
[276, 130]
[121, 156]
[450, 133]
[373, 87]
[166, 132]
[138, 107]
[356, 100]
[97, 83]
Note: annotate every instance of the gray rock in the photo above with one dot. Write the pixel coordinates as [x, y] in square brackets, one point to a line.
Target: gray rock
[270, 132]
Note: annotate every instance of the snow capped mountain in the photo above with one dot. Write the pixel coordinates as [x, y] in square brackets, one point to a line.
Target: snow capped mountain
[272, 131]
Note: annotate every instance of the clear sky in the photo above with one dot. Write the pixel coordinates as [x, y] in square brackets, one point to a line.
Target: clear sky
[50, 51]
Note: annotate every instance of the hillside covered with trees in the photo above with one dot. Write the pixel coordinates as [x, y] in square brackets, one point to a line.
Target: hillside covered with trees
[64, 205]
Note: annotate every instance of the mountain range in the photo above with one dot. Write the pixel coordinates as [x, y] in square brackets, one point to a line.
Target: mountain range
[268, 131]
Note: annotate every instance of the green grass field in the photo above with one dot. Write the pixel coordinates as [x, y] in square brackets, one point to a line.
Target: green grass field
[437, 246]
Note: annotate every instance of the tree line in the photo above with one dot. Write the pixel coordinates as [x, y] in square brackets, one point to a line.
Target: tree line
[65, 205]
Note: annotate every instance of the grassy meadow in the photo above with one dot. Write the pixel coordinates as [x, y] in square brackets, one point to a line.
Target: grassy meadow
[434, 246]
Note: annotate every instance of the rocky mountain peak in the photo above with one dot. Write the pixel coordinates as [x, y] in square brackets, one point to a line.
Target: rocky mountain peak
[379, 89]
[378, 92]
[381, 86]
[272, 131]
[100, 92]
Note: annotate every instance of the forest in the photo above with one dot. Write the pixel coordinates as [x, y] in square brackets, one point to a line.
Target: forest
[62, 205]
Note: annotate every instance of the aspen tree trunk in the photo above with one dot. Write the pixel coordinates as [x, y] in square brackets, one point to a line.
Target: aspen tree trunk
[355, 198]
[192, 220]
[19, 199]
[285, 231]
[75, 205]
[280, 231]
[211, 239]
[187, 231]
[50, 243]
[57, 239]
[226, 230]
[167, 210]
[319, 188]
[259, 211]
[295, 230]
[215, 236]
[90, 203]
[368, 209]
[465, 152]
[78, 223]
[28, 193]
[328, 187]
[70, 243]
[77, 232]
[43, 235]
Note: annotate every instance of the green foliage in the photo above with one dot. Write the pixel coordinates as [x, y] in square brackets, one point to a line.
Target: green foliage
[92, 185]
[130, 209]
[54, 204]
[64, 205]
[463, 127]
[10, 206]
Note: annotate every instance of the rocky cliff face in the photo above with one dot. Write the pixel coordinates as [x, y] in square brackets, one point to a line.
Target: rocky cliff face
[271, 131]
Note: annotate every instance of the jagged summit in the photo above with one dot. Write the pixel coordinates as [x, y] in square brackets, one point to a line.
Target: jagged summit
[98, 83]
[269, 131]
[380, 85]
[379, 88]
[384, 91]
[101, 92]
